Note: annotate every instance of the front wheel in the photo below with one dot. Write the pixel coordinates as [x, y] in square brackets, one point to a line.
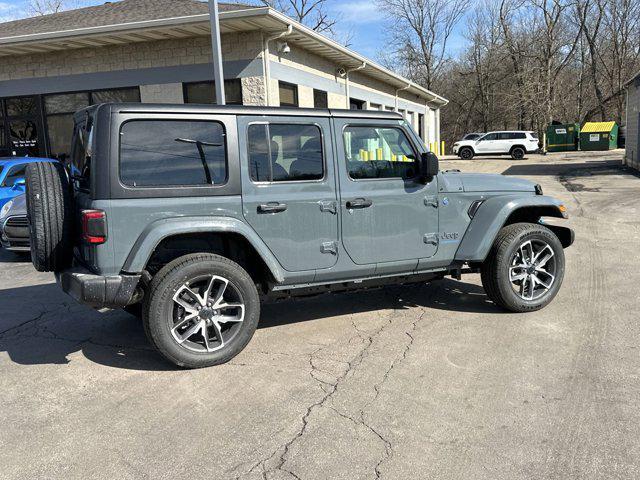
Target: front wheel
[466, 153]
[202, 310]
[525, 268]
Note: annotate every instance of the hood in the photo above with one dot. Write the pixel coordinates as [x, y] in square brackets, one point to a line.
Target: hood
[18, 207]
[483, 182]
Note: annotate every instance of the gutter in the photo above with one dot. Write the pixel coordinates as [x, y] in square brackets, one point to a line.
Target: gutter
[398, 90]
[266, 59]
[346, 82]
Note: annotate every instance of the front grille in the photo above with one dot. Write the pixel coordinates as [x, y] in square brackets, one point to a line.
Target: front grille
[17, 222]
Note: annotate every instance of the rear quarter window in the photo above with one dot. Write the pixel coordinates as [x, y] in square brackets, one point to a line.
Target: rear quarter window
[164, 153]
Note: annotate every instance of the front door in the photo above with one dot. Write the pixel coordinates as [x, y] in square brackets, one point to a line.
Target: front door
[487, 144]
[388, 215]
[288, 188]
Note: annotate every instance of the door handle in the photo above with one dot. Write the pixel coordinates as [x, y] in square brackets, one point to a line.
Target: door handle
[274, 207]
[359, 203]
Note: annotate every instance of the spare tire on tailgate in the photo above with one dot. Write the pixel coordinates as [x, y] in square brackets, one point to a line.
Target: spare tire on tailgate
[50, 216]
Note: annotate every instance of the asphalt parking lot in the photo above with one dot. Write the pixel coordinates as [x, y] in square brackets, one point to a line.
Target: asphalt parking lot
[414, 382]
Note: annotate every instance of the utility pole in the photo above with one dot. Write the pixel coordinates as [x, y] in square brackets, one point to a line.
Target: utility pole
[218, 74]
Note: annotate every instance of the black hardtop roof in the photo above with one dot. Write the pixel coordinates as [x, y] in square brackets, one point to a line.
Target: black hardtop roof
[239, 110]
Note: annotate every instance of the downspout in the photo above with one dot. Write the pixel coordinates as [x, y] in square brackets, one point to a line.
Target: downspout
[407, 87]
[346, 82]
[266, 60]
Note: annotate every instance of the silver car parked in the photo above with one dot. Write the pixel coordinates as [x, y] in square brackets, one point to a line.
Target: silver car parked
[14, 226]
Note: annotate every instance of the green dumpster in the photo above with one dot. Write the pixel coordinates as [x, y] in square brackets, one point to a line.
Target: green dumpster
[563, 138]
[599, 136]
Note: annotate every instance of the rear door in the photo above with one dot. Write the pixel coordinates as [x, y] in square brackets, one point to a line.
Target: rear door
[289, 188]
[388, 216]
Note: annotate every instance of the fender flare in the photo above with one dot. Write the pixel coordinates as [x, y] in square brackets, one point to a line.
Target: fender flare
[492, 216]
[157, 231]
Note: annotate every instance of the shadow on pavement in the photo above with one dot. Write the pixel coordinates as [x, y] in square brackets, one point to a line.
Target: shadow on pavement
[40, 325]
[600, 167]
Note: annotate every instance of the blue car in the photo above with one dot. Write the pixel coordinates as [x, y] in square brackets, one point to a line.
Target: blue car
[12, 173]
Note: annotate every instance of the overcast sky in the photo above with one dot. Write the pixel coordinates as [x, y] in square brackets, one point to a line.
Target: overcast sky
[360, 20]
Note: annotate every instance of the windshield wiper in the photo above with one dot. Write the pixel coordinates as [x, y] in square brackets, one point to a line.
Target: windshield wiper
[200, 146]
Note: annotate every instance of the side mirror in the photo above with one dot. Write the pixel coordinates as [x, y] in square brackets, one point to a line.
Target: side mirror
[19, 184]
[429, 166]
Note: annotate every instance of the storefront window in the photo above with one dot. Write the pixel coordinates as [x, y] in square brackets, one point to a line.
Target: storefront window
[60, 108]
[205, 92]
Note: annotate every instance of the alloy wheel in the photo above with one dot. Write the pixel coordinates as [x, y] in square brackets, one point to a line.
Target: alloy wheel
[532, 270]
[207, 314]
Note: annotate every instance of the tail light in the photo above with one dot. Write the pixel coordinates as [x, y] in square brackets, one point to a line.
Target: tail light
[94, 226]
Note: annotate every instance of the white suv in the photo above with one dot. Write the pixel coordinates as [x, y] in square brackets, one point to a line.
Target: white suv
[516, 144]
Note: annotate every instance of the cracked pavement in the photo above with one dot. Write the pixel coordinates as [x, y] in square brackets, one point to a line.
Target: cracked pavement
[427, 381]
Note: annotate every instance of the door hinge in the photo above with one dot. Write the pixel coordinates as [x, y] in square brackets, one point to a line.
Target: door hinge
[431, 202]
[431, 239]
[327, 206]
[329, 247]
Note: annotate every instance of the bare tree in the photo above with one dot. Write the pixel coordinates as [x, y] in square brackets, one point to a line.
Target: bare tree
[312, 13]
[46, 7]
[422, 29]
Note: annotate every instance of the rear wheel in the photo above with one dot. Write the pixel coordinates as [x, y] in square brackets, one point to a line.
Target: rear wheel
[50, 216]
[517, 153]
[466, 153]
[525, 268]
[202, 310]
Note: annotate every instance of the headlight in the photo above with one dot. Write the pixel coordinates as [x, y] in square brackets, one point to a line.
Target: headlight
[456, 144]
[6, 208]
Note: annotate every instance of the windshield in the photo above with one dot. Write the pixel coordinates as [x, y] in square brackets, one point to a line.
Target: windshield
[471, 136]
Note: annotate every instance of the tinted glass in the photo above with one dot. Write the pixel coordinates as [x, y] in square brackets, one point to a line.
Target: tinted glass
[165, 153]
[356, 104]
[81, 155]
[24, 106]
[15, 173]
[320, 99]
[471, 136]
[288, 95]
[379, 152]
[491, 136]
[23, 136]
[60, 128]
[205, 92]
[280, 153]
[120, 95]
[66, 103]
[534, 135]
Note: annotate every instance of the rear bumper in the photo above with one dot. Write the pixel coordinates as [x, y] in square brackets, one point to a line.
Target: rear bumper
[97, 291]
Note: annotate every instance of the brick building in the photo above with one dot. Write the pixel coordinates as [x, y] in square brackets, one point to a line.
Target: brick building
[159, 51]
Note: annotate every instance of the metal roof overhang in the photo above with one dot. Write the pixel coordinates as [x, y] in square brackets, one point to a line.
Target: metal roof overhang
[263, 19]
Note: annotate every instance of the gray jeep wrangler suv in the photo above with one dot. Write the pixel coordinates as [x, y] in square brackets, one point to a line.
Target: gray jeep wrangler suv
[189, 215]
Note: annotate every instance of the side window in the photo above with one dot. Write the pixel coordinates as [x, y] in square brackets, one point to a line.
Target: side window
[15, 173]
[80, 164]
[379, 152]
[490, 136]
[505, 136]
[160, 153]
[518, 135]
[285, 153]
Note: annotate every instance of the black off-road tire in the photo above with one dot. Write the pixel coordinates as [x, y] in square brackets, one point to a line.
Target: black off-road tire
[466, 153]
[518, 153]
[495, 269]
[157, 310]
[50, 212]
